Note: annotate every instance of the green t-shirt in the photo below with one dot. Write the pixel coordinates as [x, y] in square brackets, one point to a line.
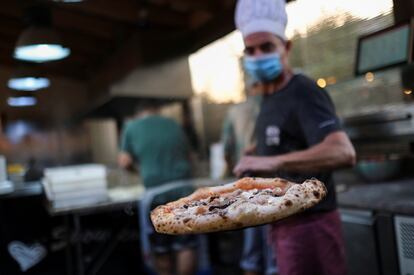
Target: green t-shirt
[160, 147]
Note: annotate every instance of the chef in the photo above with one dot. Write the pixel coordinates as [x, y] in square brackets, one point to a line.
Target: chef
[299, 136]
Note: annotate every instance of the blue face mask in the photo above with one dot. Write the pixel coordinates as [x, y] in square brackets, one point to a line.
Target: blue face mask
[264, 68]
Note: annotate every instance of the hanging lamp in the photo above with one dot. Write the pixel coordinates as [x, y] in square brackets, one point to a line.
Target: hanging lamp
[39, 42]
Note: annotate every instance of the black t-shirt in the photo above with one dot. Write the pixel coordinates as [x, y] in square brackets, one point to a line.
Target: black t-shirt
[295, 118]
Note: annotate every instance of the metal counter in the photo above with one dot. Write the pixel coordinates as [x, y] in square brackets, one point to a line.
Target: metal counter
[395, 197]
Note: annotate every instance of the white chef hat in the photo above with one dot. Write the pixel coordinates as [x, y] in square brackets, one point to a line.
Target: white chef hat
[261, 16]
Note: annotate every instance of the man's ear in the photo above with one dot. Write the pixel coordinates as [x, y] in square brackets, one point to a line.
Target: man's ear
[288, 46]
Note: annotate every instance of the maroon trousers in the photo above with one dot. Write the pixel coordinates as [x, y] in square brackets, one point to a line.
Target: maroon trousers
[309, 244]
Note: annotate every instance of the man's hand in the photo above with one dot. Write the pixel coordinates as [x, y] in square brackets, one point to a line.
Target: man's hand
[335, 151]
[124, 160]
[250, 150]
[256, 165]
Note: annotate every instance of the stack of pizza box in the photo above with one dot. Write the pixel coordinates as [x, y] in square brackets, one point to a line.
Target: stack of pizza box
[76, 185]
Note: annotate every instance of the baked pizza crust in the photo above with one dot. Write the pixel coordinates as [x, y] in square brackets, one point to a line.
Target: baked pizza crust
[258, 201]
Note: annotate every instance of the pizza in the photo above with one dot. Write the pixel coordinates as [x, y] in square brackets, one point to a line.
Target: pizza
[246, 202]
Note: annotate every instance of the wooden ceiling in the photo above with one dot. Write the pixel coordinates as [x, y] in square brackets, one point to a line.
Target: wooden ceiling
[108, 39]
[96, 29]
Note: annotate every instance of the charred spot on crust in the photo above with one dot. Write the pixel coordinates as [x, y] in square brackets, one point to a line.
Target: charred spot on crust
[175, 231]
[186, 220]
[239, 224]
[223, 215]
[296, 195]
[316, 194]
[224, 206]
[185, 206]
[288, 203]
[212, 198]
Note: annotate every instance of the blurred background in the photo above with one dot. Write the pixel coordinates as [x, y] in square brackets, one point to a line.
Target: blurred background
[73, 73]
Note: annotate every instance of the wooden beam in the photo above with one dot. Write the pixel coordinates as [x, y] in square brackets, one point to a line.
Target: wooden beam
[14, 27]
[403, 10]
[86, 45]
[11, 26]
[219, 26]
[12, 8]
[184, 43]
[125, 11]
[199, 18]
[188, 42]
[190, 5]
[132, 54]
[67, 19]
[183, 5]
[129, 11]
[141, 50]
[166, 17]
[126, 58]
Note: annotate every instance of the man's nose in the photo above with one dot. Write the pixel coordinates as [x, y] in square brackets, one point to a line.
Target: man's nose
[258, 52]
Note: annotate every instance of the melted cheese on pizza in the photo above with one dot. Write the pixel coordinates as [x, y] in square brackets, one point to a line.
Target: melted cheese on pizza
[231, 203]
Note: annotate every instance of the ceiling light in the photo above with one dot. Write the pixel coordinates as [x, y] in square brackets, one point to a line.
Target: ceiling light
[21, 101]
[27, 78]
[28, 83]
[40, 44]
[41, 53]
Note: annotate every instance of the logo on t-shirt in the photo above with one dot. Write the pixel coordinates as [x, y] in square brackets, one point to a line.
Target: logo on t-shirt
[272, 135]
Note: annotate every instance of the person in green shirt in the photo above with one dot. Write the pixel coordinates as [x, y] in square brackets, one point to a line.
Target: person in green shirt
[159, 148]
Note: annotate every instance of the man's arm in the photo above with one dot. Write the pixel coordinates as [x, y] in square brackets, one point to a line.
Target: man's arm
[124, 160]
[335, 151]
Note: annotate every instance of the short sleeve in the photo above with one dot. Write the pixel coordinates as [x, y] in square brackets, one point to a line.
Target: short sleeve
[316, 115]
[126, 140]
